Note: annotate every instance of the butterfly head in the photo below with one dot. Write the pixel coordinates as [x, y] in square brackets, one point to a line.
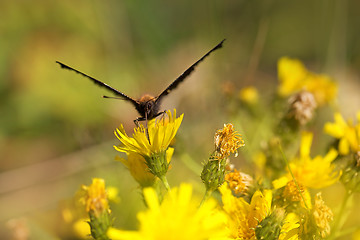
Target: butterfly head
[148, 106]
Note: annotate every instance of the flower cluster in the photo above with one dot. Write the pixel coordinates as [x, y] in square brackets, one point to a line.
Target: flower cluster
[294, 77]
[227, 141]
[279, 187]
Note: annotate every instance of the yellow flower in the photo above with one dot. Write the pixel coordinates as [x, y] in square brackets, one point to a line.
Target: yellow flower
[152, 144]
[81, 228]
[294, 77]
[138, 168]
[315, 172]
[249, 95]
[322, 86]
[95, 197]
[161, 133]
[113, 194]
[243, 216]
[227, 141]
[177, 217]
[291, 73]
[290, 229]
[347, 133]
[259, 158]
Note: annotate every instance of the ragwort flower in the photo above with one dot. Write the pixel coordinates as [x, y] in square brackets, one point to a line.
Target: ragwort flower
[249, 95]
[315, 172]
[227, 141]
[178, 216]
[95, 199]
[151, 143]
[243, 216]
[347, 133]
[161, 133]
[138, 168]
[294, 77]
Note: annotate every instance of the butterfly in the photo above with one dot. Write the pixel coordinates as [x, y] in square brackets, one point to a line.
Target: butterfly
[147, 106]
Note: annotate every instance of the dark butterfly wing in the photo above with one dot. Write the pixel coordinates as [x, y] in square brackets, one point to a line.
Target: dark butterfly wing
[101, 84]
[185, 74]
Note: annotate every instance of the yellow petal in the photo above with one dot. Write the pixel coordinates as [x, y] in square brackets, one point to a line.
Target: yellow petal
[118, 234]
[291, 74]
[122, 160]
[306, 140]
[331, 155]
[344, 147]
[334, 130]
[169, 154]
[151, 198]
[280, 182]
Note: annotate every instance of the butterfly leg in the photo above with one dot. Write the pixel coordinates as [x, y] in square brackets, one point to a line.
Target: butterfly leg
[146, 127]
[160, 113]
[139, 119]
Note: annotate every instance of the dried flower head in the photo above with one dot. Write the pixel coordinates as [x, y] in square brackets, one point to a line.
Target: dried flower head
[227, 141]
[302, 106]
[322, 215]
[239, 182]
[296, 192]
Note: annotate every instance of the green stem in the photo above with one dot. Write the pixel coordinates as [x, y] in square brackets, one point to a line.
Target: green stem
[166, 183]
[206, 196]
[292, 175]
[336, 226]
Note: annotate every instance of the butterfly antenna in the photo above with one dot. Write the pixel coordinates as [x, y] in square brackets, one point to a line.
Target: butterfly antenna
[113, 97]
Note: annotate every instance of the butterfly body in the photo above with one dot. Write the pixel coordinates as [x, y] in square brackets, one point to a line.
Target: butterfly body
[147, 106]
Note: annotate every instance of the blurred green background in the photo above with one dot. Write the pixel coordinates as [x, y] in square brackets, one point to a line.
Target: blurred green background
[56, 131]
